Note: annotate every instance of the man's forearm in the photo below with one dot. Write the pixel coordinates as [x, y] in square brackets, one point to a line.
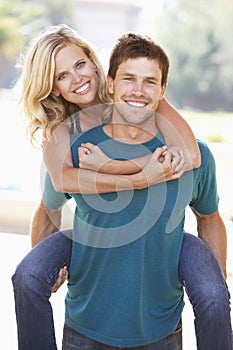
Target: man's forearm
[44, 223]
[212, 231]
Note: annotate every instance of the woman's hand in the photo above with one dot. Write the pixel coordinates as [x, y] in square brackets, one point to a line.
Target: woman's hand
[92, 158]
[163, 165]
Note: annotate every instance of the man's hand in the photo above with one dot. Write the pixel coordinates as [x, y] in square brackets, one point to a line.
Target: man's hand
[62, 277]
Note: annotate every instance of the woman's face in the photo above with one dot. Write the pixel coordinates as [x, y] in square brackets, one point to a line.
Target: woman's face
[76, 77]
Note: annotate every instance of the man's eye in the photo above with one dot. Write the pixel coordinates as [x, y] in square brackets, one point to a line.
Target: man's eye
[152, 82]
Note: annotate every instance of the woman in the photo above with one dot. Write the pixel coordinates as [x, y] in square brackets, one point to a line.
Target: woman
[62, 76]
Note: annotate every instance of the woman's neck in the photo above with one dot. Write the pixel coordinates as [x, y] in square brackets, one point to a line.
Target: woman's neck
[91, 117]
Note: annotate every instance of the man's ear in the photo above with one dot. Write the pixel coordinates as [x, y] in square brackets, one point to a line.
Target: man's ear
[163, 91]
[55, 92]
[110, 84]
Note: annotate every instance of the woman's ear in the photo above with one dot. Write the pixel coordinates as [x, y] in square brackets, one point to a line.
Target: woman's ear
[55, 92]
[110, 84]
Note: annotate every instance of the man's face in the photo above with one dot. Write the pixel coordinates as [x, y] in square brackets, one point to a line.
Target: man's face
[137, 90]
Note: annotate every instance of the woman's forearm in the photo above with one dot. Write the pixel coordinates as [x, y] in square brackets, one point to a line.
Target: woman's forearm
[125, 167]
[83, 181]
[177, 133]
[155, 171]
[91, 157]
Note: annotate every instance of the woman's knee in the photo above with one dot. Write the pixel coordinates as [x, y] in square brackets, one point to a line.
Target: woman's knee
[28, 283]
[200, 272]
[22, 278]
[197, 261]
[43, 263]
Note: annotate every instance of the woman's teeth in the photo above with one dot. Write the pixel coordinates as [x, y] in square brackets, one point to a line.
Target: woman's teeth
[82, 88]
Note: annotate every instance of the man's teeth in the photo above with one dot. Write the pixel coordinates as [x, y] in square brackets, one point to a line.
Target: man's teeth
[136, 104]
[82, 88]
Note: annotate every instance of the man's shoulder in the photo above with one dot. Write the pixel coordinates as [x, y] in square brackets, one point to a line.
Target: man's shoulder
[202, 144]
[207, 157]
[204, 148]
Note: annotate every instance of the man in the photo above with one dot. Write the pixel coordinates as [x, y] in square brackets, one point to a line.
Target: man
[124, 289]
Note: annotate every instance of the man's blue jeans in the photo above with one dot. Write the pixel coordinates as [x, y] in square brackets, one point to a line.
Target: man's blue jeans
[75, 341]
[199, 271]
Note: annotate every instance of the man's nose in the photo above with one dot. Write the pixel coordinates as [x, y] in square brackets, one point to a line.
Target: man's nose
[137, 88]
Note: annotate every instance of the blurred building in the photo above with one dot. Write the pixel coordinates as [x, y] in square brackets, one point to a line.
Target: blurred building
[101, 22]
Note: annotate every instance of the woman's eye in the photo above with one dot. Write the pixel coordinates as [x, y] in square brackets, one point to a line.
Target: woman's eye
[80, 64]
[61, 76]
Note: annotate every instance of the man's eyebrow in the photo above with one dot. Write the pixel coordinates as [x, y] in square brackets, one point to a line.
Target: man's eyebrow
[129, 74]
[146, 77]
[153, 78]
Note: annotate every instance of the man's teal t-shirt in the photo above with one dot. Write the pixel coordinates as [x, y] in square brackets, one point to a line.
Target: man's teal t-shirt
[123, 286]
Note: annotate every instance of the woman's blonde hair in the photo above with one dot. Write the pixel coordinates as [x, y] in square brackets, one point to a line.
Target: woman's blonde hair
[42, 109]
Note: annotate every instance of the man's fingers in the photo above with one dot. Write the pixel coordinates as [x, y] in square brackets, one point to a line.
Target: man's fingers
[62, 277]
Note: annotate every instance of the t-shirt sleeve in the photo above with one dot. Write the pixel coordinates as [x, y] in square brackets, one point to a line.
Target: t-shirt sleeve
[52, 198]
[206, 199]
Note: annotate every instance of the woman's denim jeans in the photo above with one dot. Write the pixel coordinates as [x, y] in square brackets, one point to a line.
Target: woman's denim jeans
[199, 271]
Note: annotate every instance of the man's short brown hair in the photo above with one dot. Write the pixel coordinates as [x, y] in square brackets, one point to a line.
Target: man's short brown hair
[132, 46]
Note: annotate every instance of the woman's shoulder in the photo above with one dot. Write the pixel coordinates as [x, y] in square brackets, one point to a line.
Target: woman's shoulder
[74, 124]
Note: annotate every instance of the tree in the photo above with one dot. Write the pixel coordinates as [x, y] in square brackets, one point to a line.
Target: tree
[197, 36]
[20, 21]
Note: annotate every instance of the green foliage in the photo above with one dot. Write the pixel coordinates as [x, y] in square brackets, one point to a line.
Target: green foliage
[214, 127]
[24, 19]
[14, 16]
[215, 138]
[20, 21]
[10, 38]
[197, 36]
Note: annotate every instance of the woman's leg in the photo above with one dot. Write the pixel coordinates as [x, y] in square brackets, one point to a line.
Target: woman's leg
[207, 291]
[33, 281]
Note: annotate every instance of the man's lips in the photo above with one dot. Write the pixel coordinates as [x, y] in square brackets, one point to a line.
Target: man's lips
[135, 103]
[82, 88]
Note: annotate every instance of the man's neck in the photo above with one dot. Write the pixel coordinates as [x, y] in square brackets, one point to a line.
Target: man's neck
[129, 133]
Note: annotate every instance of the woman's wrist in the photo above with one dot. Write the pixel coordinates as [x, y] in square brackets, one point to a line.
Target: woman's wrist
[139, 180]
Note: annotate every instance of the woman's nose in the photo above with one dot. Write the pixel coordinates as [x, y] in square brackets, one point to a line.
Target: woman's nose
[76, 77]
